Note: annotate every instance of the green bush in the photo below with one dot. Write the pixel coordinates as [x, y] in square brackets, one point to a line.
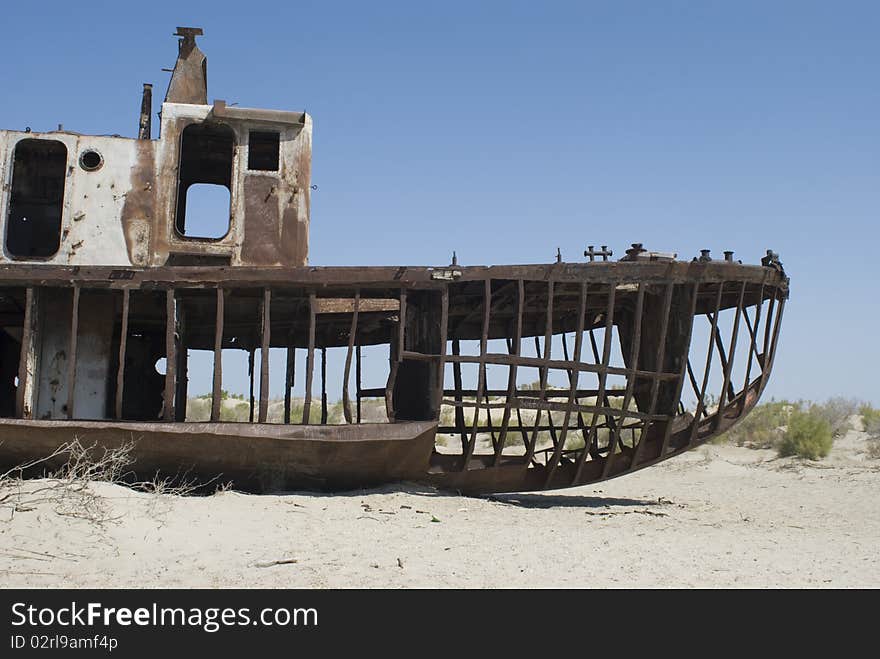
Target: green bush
[870, 419]
[808, 434]
[762, 427]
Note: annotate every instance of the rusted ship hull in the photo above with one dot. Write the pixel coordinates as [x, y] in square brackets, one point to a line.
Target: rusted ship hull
[622, 379]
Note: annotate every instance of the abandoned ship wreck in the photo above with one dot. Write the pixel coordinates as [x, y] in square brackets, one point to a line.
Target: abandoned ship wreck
[629, 361]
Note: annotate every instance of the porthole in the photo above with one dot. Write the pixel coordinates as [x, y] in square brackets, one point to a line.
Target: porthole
[90, 160]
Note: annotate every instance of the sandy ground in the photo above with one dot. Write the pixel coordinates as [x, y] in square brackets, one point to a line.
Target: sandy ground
[719, 516]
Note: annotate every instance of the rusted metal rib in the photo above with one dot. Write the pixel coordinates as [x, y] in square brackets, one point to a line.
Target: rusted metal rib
[310, 361]
[692, 378]
[217, 385]
[170, 353]
[631, 380]
[456, 382]
[488, 407]
[540, 363]
[722, 353]
[487, 429]
[264, 355]
[598, 360]
[357, 380]
[289, 373]
[767, 329]
[520, 426]
[698, 414]
[323, 386]
[441, 366]
[251, 370]
[71, 356]
[481, 374]
[655, 385]
[731, 354]
[352, 333]
[401, 326]
[513, 347]
[603, 373]
[685, 367]
[573, 382]
[578, 394]
[753, 337]
[123, 343]
[562, 406]
[545, 360]
[776, 325]
[396, 357]
[22, 409]
[543, 397]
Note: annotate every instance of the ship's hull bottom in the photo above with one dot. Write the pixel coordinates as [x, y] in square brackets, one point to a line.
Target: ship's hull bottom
[264, 458]
[268, 458]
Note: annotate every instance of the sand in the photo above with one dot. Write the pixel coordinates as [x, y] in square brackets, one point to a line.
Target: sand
[718, 516]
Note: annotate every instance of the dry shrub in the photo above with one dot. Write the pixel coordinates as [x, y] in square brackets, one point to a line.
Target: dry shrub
[808, 434]
[762, 427]
[871, 424]
[870, 419]
[837, 412]
[766, 425]
[69, 490]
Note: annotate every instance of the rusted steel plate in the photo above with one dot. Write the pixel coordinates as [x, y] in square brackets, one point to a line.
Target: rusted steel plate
[258, 457]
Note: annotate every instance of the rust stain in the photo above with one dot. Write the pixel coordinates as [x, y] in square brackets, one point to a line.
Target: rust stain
[261, 244]
[139, 209]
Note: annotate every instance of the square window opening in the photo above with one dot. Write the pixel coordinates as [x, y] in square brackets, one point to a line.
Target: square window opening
[33, 228]
[205, 181]
[263, 150]
[207, 211]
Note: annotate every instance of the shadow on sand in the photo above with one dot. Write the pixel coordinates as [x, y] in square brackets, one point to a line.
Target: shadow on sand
[535, 500]
[564, 501]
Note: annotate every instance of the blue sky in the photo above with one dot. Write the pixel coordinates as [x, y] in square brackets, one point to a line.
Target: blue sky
[504, 130]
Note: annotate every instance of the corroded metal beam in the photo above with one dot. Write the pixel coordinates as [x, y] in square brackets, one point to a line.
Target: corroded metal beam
[123, 344]
[346, 399]
[310, 360]
[170, 354]
[71, 352]
[217, 382]
[264, 354]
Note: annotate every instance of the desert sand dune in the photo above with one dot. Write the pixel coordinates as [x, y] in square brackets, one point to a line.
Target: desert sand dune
[719, 516]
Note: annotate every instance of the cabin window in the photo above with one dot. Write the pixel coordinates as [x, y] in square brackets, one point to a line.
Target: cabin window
[207, 211]
[33, 227]
[263, 151]
[205, 182]
[91, 160]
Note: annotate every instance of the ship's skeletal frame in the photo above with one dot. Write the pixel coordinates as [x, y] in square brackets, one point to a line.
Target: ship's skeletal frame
[654, 355]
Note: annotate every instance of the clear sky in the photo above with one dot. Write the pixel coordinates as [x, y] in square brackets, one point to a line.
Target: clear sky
[502, 130]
